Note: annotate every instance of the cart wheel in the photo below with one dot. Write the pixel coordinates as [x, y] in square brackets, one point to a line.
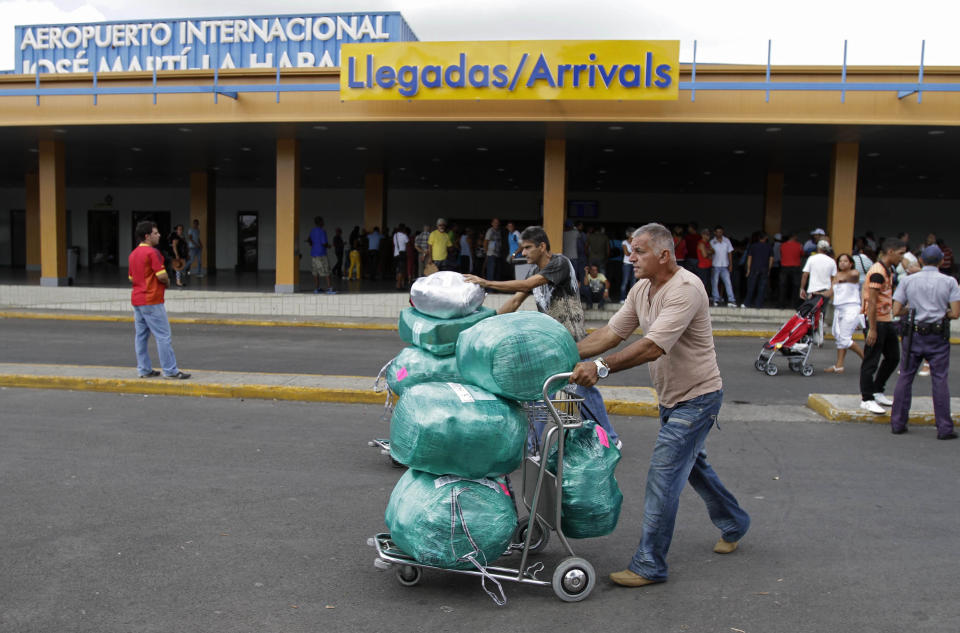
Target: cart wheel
[807, 370]
[573, 579]
[794, 367]
[758, 365]
[771, 370]
[408, 575]
[540, 537]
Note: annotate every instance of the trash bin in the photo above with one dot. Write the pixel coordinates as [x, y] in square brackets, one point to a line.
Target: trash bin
[520, 271]
[73, 259]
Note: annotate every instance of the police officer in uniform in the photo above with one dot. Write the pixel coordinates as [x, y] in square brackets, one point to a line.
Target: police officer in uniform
[931, 299]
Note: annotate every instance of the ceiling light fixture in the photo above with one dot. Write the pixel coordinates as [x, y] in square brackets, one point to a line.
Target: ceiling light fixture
[185, 129]
[246, 149]
[481, 149]
[322, 128]
[360, 148]
[615, 128]
[136, 149]
[936, 132]
[608, 150]
[873, 154]
[739, 151]
[773, 129]
[464, 127]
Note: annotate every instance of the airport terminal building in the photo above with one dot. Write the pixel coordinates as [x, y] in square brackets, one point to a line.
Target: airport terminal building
[253, 125]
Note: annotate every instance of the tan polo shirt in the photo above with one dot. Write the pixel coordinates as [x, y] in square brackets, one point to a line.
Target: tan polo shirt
[678, 321]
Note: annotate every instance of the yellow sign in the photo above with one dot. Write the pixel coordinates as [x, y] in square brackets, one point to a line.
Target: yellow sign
[563, 70]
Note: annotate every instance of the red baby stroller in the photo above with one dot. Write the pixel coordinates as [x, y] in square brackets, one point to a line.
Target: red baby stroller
[795, 339]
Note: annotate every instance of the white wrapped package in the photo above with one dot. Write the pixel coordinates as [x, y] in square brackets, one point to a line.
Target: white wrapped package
[445, 295]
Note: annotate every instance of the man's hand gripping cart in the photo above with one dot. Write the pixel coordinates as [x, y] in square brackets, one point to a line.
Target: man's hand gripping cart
[574, 578]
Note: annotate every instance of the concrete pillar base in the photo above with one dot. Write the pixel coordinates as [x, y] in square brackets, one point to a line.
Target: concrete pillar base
[284, 289]
[54, 282]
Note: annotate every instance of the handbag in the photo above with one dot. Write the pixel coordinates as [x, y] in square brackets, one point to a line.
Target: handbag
[178, 264]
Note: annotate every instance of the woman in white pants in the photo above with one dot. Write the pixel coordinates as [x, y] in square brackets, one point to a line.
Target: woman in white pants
[846, 311]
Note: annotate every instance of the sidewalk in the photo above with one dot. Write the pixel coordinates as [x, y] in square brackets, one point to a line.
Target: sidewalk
[226, 384]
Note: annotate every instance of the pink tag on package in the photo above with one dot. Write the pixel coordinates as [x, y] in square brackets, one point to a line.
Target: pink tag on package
[505, 491]
[402, 373]
[602, 436]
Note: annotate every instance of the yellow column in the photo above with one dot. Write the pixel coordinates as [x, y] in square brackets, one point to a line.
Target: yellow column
[53, 214]
[842, 199]
[203, 207]
[373, 200]
[555, 187]
[773, 203]
[288, 215]
[33, 221]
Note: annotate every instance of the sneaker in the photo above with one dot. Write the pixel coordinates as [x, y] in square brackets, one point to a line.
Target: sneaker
[924, 369]
[882, 399]
[743, 305]
[316, 291]
[619, 444]
[872, 407]
[725, 547]
[331, 291]
[178, 376]
[150, 374]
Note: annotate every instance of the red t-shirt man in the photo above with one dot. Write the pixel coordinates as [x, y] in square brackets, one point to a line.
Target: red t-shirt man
[791, 253]
[145, 264]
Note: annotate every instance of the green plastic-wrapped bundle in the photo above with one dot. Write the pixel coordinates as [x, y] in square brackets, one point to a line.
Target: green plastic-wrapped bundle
[414, 366]
[456, 429]
[513, 354]
[591, 496]
[438, 336]
[434, 519]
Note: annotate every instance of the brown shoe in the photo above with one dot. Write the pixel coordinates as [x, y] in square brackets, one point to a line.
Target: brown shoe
[627, 578]
[725, 547]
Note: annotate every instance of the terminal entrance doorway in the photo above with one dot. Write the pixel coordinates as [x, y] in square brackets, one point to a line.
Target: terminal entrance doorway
[103, 238]
[248, 237]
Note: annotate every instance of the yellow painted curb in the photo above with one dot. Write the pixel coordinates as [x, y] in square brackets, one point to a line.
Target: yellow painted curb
[822, 406]
[626, 407]
[162, 387]
[199, 321]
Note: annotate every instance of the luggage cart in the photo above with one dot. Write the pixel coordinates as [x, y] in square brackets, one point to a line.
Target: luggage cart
[574, 578]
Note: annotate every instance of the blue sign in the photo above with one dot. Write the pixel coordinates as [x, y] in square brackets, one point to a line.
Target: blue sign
[288, 41]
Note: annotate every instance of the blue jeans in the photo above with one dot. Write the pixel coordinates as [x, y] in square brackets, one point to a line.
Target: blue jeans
[678, 457]
[717, 274]
[194, 257]
[153, 320]
[593, 409]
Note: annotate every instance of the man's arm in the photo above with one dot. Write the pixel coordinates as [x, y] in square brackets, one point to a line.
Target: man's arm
[749, 264]
[871, 317]
[518, 285]
[513, 303]
[898, 308]
[803, 285]
[770, 264]
[954, 312]
[638, 353]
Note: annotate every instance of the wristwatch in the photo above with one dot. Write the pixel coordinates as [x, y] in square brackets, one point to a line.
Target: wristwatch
[603, 370]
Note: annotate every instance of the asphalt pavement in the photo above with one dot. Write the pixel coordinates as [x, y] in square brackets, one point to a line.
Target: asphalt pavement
[302, 350]
[124, 513]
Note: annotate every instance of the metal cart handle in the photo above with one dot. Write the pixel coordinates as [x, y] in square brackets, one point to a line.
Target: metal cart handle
[546, 385]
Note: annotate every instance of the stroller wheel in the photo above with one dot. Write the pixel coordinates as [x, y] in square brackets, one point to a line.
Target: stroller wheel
[772, 370]
[758, 365]
[807, 370]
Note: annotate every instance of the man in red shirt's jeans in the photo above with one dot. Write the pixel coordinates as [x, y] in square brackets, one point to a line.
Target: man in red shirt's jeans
[149, 279]
[791, 260]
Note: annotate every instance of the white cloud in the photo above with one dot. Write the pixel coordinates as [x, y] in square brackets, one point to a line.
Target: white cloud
[21, 12]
